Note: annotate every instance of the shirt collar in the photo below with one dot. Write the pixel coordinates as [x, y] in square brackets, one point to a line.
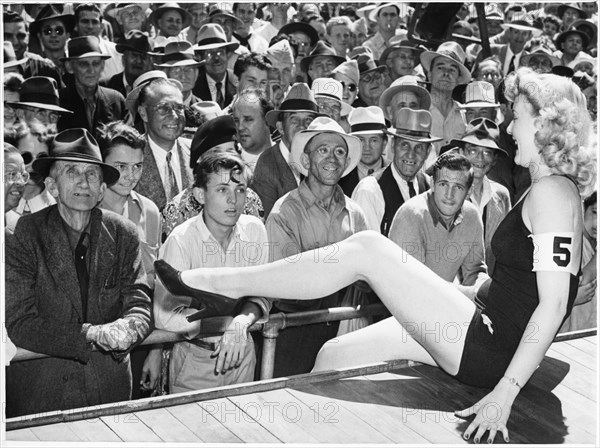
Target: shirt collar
[206, 236]
[310, 199]
[82, 95]
[435, 214]
[156, 148]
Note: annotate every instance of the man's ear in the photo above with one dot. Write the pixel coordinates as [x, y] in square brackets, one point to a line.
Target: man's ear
[305, 161]
[50, 183]
[198, 194]
[20, 114]
[69, 67]
[279, 126]
[103, 188]
[142, 111]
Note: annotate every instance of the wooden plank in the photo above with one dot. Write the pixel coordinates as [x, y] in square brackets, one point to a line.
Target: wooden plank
[281, 413]
[202, 424]
[359, 401]
[421, 407]
[25, 435]
[55, 433]
[585, 346]
[129, 428]
[350, 428]
[166, 426]
[237, 421]
[93, 431]
[574, 354]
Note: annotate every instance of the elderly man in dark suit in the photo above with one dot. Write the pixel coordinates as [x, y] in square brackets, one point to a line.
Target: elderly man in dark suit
[134, 47]
[167, 154]
[92, 104]
[215, 82]
[74, 280]
[274, 176]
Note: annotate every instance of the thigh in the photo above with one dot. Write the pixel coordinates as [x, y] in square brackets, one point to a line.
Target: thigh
[384, 341]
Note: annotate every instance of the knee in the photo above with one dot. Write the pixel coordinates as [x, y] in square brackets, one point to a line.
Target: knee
[369, 241]
[328, 357]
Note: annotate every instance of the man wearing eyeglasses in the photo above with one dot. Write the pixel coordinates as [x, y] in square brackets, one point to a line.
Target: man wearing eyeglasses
[166, 155]
[88, 22]
[16, 32]
[215, 82]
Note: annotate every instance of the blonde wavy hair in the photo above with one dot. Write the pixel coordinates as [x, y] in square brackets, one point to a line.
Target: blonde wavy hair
[565, 136]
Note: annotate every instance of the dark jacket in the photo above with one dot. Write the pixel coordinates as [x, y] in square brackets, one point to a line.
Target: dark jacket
[273, 178]
[115, 82]
[110, 106]
[44, 311]
[202, 91]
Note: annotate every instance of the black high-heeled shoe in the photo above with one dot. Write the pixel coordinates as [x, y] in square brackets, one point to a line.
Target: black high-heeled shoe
[208, 303]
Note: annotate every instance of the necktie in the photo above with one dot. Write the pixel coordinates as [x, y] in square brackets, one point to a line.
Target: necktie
[82, 272]
[26, 209]
[411, 189]
[370, 171]
[220, 99]
[244, 41]
[171, 189]
[511, 66]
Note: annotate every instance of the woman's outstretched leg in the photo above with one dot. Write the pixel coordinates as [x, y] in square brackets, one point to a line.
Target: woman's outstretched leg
[433, 312]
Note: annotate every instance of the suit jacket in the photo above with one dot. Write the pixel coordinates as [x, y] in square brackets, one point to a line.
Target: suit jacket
[110, 106]
[273, 178]
[116, 83]
[151, 185]
[202, 91]
[349, 182]
[499, 50]
[44, 311]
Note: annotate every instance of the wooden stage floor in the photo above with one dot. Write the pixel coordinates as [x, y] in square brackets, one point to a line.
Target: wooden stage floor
[411, 405]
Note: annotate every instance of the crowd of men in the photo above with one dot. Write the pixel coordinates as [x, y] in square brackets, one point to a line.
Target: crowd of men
[281, 126]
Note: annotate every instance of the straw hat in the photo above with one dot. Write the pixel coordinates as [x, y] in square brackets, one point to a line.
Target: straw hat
[475, 94]
[367, 120]
[178, 54]
[186, 17]
[452, 51]
[406, 83]
[332, 89]
[138, 85]
[298, 99]
[212, 36]
[318, 126]
[480, 132]
[413, 125]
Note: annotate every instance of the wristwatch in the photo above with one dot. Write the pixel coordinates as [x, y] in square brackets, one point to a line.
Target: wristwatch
[513, 381]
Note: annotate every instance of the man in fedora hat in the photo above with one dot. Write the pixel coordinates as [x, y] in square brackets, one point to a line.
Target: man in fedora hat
[382, 194]
[442, 230]
[540, 59]
[130, 16]
[347, 73]
[320, 62]
[134, 48]
[282, 70]
[570, 44]
[166, 155]
[328, 94]
[88, 22]
[180, 63]
[274, 176]
[39, 103]
[74, 280]
[53, 28]
[480, 146]
[401, 57]
[569, 12]
[477, 100]
[445, 69]
[372, 81]
[368, 124]
[169, 19]
[407, 91]
[315, 215]
[215, 81]
[31, 64]
[90, 103]
[303, 39]
[387, 16]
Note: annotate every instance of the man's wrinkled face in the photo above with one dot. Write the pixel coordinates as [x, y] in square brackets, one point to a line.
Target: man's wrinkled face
[163, 113]
[131, 18]
[400, 62]
[482, 158]
[444, 74]
[292, 123]
[17, 34]
[252, 130]
[215, 62]
[186, 75]
[490, 71]
[302, 42]
[330, 107]
[372, 86]
[53, 35]
[402, 99]
[540, 63]
[136, 63]
[86, 71]
[325, 157]
[321, 67]
[409, 156]
[517, 39]
[89, 23]
[480, 112]
[77, 187]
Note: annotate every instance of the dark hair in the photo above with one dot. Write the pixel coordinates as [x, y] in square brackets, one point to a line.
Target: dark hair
[216, 159]
[145, 92]
[590, 200]
[13, 81]
[312, 17]
[235, 6]
[251, 60]
[87, 7]
[12, 17]
[494, 58]
[254, 94]
[453, 162]
[552, 19]
[118, 133]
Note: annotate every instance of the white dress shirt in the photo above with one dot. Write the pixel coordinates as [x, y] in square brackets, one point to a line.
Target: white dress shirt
[212, 87]
[160, 155]
[285, 152]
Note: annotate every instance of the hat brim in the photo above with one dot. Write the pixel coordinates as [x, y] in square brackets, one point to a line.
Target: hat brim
[15, 63]
[231, 46]
[186, 16]
[42, 166]
[563, 36]
[237, 20]
[122, 48]
[345, 107]
[390, 92]
[300, 27]
[535, 31]
[301, 139]
[427, 58]
[67, 19]
[92, 54]
[305, 63]
[398, 133]
[388, 50]
[403, 10]
[525, 59]
[115, 11]
[477, 104]
[183, 63]
[273, 116]
[40, 106]
[471, 139]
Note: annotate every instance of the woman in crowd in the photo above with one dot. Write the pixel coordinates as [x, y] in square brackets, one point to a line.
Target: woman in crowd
[123, 148]
[552, 129]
